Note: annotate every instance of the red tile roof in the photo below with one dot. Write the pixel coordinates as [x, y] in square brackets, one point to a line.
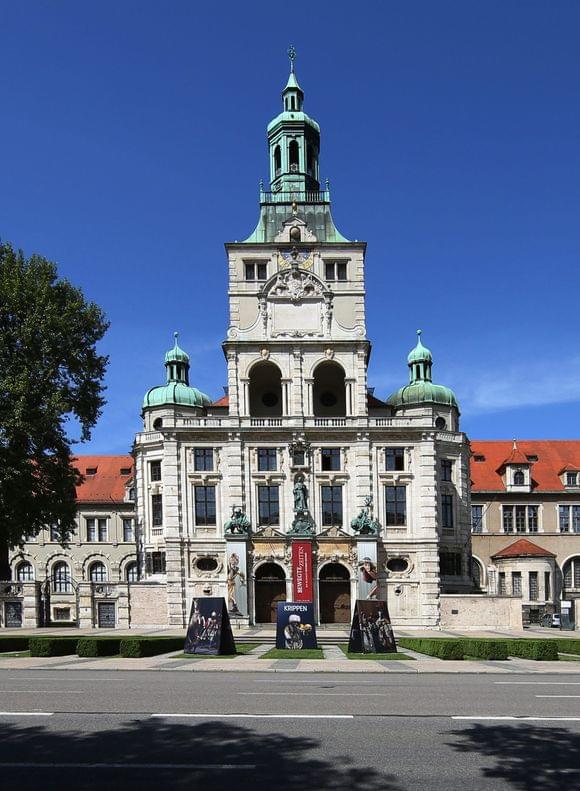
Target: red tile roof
[107, 484]
[553, 455]
[223, 401]
[517, 456]
[523, 549]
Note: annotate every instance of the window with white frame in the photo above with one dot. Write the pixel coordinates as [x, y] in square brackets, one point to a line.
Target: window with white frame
[25, 572]
[203, 459]
[205, 505]
[446, 470]
[447, 520]
[521, 518]
[394, 459]
[131, 572]
[96, 529]
[396, 506]
[571, 573]
[335, 270]
[155, 470]
[61, 578]
[128, 532]
[572, 479]
[255, 270]
[476, 518]
[569, 518]
[267, 459]
[331, 497]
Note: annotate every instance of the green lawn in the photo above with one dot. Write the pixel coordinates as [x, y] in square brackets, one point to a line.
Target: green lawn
[286, 653]
[12, 654]
[568, 658]
[388, 657]
[241, 649]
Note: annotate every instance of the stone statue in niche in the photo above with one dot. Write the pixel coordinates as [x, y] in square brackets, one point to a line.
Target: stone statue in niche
[303, 524]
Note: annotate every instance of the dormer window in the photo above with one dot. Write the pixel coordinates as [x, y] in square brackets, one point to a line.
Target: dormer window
[519, 478]
[125, 470]
[91, 470]
[478, 458]
[571, 479]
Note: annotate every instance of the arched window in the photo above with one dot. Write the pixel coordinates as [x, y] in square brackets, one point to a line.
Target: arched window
[25, 572]
[277, 161]
[571, 573]
[98, 572]
[476, 572]
[265, 390]
[131, 572]
[61, 578]
[310, 161]
[293, 156]
[329, 391]
[519, 478]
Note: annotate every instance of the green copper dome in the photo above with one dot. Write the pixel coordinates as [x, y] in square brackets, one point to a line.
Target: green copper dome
[421, 389]
[177, 391]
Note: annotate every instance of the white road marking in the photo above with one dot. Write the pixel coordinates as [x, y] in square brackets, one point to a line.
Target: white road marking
[326, 694]
[557, 696]
[319, 682]
[548, 683]
[26, 713]
[43, 692]
[259, 716]
[52, 679]
[190, 767]
[520, 719]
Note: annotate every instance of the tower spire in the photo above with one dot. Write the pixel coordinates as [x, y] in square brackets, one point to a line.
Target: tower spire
[292, 56]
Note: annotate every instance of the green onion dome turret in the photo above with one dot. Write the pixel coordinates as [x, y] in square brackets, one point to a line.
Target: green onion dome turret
[177, 390]
[421, 389]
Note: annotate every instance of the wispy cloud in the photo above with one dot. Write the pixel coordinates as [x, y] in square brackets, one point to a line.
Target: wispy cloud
[548, 381]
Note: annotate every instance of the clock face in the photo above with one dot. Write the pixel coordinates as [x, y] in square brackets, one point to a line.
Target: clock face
[301, 258]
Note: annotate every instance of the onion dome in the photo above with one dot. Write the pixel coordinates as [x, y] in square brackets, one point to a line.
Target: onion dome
[177, 391]
[421, 389]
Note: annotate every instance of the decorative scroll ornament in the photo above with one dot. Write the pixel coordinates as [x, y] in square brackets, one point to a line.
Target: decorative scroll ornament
[296, 284]
[238, 525]
[364, 524]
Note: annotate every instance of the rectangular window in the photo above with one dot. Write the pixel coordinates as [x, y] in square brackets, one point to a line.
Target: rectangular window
[547, 586]
[331, 506]
[54, 533]
[564, 518]
[501, 586]
[517, 583]
[476, 518]
[533, 577]
[447, 511]
[267, 459]
[205, 513]
[508, 519]
[157, 510]
[576, 518]
[155, 470]
[396, 505]
[102, 529]
[446, 469]
[450, 564]
[520, 518]
[268, 505]
[91, 529]
[155, 563]
[571, 478]
[330, 459]
[299, 458]
[533, 518]
[128, 534]
[394, 459]
[576, 573]
[256, 271]
[203, 459]
[335, 270]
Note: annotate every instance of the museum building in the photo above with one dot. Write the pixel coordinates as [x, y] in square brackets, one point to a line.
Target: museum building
[299, 481]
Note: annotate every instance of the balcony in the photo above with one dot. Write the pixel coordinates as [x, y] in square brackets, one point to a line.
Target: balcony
[322, 196]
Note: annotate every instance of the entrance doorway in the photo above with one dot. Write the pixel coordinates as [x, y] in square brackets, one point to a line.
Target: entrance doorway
[270, 588]
[106, 614]
[334, 593]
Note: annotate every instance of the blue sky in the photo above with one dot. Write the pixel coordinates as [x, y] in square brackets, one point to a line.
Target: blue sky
[133, 139]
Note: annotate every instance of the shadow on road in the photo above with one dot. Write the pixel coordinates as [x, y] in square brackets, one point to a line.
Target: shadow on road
[525, 756]
[281, 762]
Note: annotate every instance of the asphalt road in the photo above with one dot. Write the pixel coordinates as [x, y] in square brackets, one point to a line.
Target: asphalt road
[150, 730]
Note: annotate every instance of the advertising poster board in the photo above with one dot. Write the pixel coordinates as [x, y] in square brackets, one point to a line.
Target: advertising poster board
[209, 630]
[367, 570]
[302, 587]
[295, 627]
[371, 631]
[237, 579]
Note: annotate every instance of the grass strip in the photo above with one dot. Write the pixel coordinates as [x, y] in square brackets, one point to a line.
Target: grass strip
[287, 653]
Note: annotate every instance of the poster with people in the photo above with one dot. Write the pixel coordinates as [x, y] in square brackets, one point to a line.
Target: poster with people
[368, 585]
[295, 627]
[209, 630]
[371, 631]
[237, 579]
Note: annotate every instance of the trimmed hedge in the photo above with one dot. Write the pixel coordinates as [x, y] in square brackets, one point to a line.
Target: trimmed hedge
[136, 647]
[485, 649]
[568, 646]
[11, 644]
[440, 647]
[53, 646]
[546, 650]
[98, 646]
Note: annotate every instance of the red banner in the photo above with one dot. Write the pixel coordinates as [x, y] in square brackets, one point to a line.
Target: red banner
[302, 571]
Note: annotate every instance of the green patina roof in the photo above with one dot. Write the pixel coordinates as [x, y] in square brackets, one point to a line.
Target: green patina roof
[177, 393]
[420, 353]
[176, 354]
[292, 82]
[317, 217]
[297, 116]
[423, 393]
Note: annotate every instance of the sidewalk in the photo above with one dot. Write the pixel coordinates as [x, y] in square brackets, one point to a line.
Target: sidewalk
[251, 663]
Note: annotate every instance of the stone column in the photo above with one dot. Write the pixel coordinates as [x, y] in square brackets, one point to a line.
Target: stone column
[86, 614]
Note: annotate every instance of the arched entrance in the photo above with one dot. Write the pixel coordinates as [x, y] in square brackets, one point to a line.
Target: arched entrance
[270, 588]
[334, 593]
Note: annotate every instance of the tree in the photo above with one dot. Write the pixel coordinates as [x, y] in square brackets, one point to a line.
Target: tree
[50, 375]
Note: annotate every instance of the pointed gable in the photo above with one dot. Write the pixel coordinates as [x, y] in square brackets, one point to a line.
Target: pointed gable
[523, 549]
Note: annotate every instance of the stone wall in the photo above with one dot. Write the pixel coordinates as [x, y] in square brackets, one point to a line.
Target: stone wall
[465, 611]
[147, 604]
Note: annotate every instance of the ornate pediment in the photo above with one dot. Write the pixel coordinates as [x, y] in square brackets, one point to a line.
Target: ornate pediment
[296, 284]
[296, 304]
